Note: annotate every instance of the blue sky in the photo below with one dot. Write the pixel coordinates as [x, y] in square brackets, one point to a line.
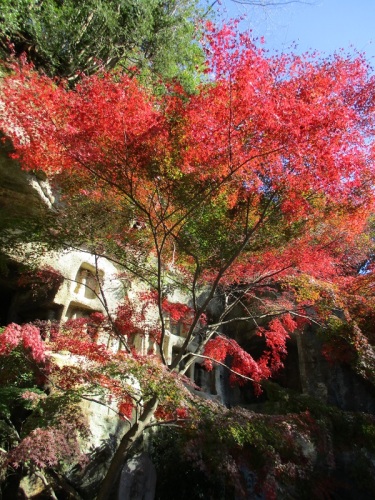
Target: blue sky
[325, 25]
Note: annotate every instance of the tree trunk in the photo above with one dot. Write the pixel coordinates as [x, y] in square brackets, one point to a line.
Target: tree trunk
[127, 441]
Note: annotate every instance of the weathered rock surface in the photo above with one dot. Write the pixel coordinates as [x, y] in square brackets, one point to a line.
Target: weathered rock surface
[138, 479]
[335, 384]
[21, 193]
[31, 486]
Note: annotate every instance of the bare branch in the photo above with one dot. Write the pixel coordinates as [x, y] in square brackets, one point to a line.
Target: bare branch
[225, 366]
[269, 3]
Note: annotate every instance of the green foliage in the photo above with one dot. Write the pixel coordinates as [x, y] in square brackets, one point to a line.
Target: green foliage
[51, 409]
[17, 369]
[207, 235]
[344, 342]
[66, 37]
[301, 448]
[10, 397]
[153, 379]
[344, 427]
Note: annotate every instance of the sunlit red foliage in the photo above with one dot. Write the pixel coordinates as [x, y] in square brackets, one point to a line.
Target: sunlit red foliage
[126, 408]
[26, 335]
[276, 335]
[289, 124]
[176, 310]
[125, 320]
[137, 317]
[76, 363]
[41, 281]
[242, 363]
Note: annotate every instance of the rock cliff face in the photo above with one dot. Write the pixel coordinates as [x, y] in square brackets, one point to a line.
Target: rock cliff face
[332, 383]
[306, 371]
[21, 192]
[22, 195]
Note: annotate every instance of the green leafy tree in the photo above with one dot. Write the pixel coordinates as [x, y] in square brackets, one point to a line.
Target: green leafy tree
[65, 38]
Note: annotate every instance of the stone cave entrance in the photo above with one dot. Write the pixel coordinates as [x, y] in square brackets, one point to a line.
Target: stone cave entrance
[18, 304]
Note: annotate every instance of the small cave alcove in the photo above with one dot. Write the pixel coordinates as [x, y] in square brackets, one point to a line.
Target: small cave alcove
[21, 304]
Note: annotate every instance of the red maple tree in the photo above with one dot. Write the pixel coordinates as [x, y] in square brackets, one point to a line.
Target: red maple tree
[250, 193]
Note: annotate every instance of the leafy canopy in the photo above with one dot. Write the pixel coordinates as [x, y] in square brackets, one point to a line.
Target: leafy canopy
[65, 38]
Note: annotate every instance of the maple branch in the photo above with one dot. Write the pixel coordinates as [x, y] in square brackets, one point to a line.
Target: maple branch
[47, 485]
[197, 272]
[265, 315]
[206, 194]
[216, 326]
[92, 400]
[217, 280]
[159, 290]
[105, 305]
[82, 396]
[268, 3]
[213, 328]
[168, 423]
[225, 366]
